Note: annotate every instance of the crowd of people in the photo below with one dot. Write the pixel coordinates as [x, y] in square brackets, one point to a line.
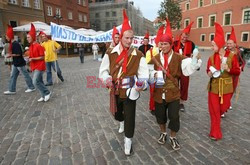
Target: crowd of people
[165, 68]
[40, 57]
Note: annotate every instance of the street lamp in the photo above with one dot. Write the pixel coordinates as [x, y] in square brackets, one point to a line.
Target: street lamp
[58, 17]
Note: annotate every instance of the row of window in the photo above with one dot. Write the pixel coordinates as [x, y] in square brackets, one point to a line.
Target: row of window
[81, 2]
[244, 37]
[200, 3]
[227, 18]
[26, 3]
[81, 17]
[107, 14]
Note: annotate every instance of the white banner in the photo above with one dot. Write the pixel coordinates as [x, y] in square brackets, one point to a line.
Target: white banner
[64, 34]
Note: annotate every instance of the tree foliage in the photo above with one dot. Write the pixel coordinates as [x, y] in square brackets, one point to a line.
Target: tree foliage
[171, 9]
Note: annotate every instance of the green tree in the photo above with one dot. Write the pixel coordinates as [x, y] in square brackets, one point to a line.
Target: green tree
[171, 9]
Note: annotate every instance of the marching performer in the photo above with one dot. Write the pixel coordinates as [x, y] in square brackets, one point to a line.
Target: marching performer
[115, 38]
[220, 69]
[37, 64]
[121, 66]
[168, 68]
[184, 47]
[153, 51]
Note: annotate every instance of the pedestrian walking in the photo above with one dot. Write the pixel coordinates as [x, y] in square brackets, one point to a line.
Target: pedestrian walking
[81, 52]
[15, 52]
[37, 64]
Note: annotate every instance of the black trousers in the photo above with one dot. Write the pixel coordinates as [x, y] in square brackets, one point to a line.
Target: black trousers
[81, 54]
[168, 110]
[126, 112]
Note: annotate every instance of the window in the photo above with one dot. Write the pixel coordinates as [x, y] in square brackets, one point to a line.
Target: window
[83, 2]
[213, 1]
[246, 15]
[25, 3]
[97, 15]
[107, 14]
[212, 19]
[85, 19]
[13, 23]
[200, 3]
[58, 11]
[199, 22]
[37, 4]
[244, 36]
[186, 22]
[80, 17]
[202, 37]
[79, 2]
[227, 36]
[227, 18]
[211, 38]
[70, 15]
[108, 26]
[114, 24]
[13, 2]
[49, 11]
[187, 6]
[113, 13]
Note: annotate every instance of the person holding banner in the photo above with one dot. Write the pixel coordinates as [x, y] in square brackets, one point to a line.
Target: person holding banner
[184, 47]
[168, 67]
[124, 70]
[14, 51]
[153, 51]
[51, 48]
[220, 69]
[145, 46]
[37, 64]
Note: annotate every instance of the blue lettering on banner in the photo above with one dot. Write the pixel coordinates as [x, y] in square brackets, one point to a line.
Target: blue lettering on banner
[65, 34]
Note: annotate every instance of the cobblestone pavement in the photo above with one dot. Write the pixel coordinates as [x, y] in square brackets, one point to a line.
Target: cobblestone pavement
[75, 126]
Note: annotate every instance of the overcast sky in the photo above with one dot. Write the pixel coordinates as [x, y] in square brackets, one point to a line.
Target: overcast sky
[149, 8]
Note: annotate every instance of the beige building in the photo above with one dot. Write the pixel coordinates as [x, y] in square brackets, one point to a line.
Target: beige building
[104, 14]
[19, 12]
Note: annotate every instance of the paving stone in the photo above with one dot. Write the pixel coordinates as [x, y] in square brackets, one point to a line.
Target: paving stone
[75, 125]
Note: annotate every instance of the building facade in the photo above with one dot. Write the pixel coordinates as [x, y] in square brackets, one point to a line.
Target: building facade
[226, 12]
[73, 13]
[19, 12]
[104, 14]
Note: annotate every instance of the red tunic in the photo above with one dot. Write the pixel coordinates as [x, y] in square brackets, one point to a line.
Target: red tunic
[187, 50]
[216, 109]
[36, 50]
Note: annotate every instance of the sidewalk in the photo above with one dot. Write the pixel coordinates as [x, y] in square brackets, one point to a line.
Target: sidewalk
[75, 126]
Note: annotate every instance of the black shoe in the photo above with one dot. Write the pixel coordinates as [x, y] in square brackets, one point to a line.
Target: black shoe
[162, 138]
[174, 143]
[61, 78]
[49, 84]
[152, 112]
[182, 108]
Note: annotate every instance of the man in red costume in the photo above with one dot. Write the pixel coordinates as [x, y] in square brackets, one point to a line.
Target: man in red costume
[167, 93]
[115, 38]
[233, 48]
[184, 47]
[145, 46]
[120, 65]
[37, 64]
[153, 51]
[220, 87]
